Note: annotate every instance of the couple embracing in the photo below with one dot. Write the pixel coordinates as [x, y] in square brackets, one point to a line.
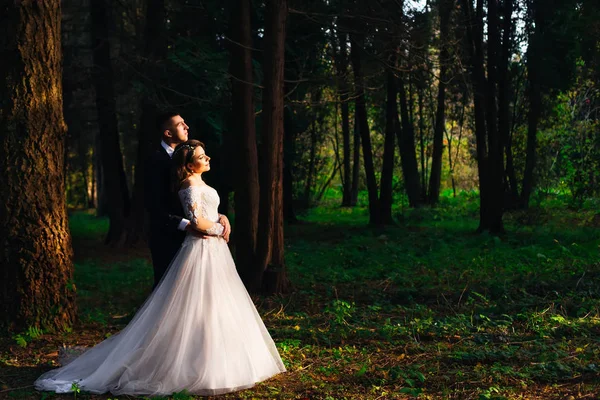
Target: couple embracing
[199, 330]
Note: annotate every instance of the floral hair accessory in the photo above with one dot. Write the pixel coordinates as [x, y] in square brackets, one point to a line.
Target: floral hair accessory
[186, 146]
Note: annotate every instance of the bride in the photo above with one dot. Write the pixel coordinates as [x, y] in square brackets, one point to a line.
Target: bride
[198, 331]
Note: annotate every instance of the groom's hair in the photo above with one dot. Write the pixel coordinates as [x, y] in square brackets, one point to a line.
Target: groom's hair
[163, 118]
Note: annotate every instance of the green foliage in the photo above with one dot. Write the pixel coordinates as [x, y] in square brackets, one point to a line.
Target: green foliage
[32, 333]
[75, 389]
[570, 147]
[424, 309]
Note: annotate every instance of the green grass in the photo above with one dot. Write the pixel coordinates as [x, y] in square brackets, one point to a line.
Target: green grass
[425, 309]
[85, 225]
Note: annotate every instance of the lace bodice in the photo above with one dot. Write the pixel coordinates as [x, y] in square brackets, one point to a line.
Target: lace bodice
[201, 202]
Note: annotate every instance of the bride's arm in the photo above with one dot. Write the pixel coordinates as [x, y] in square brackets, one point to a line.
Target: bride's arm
[197, 208]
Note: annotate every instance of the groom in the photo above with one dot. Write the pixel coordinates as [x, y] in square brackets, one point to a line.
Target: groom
[167, 225]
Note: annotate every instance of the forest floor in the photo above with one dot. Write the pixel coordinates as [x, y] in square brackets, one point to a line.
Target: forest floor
[427, 309]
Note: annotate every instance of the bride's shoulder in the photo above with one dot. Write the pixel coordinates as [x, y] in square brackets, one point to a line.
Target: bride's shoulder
[189, 184]
[186, 184]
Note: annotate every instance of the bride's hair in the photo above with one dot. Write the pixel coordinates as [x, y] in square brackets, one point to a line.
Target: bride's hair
[182, 156]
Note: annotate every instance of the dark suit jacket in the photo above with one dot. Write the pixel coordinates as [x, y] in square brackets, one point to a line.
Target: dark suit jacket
[162, 204]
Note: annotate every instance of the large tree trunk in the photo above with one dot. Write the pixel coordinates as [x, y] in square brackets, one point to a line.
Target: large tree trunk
[363, 127]
[270, 273]
[246, 194]
[36, 278]
[408, 155]
[113, 174]
[387, 172]
[445, 7]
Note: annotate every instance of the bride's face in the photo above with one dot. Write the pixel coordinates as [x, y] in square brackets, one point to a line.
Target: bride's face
[200, 161]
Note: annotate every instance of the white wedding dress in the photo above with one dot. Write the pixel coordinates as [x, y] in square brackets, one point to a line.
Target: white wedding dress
[198, 331]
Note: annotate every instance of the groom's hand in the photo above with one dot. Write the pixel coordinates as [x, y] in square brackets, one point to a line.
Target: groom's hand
[225, 222]
[189, 228]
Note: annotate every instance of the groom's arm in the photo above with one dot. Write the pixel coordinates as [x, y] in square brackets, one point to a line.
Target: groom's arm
[157, 197]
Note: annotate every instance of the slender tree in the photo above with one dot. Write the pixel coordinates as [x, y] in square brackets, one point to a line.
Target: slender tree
[270, 271]
[504, 90]
[153, 53]
[534, 59]
[408, 155]
[363, 128]
[489, 151]
[341, 65]
[355, 163]
[246, 183]
[387, 171]
[36, 278]
[113, 174]
[445, 9]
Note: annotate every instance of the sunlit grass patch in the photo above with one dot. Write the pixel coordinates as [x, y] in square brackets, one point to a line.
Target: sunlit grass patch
[86, 225]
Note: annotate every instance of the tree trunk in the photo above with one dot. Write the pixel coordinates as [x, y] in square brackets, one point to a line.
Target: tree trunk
[155, 50]
[504, 86]
[535, 106]
[387, 172]
[114, 179]
[496, 167]
[36, 267]
[270, 272]
[355, 164]
[424, 155]
[490, 190]
[363, 127]
[435, 177]
[311, 164]
[408, 156]
[347, 196]
[341, 66]
[246, 194]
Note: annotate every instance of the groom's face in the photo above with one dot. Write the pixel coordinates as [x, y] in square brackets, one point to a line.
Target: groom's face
[178, 130]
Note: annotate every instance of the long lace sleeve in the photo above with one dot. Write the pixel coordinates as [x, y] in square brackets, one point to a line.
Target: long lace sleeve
[216, 230]
[197, 205]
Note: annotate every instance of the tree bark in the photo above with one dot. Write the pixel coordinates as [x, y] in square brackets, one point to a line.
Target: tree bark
[504, 89]
[387, 172]
[424, 155]
[343, 90]
[113, 174]
[347, 196]
[363, 127]
[246, 194]
[36, 267]
[155, 51]
[355, 164]
[445, 7]
[495, 207]
[535, 106]
[311, 163]
[488, 151]
[408, 155]
[270, 272]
